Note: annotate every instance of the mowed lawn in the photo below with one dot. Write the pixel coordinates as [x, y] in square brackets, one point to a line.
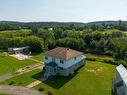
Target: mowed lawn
[10, 64]
[24, 79]
[38, 56]
[95, 78]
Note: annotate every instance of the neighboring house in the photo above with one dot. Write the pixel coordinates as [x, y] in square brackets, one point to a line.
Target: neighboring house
[120, 81]
[50, 29]
[62, 61]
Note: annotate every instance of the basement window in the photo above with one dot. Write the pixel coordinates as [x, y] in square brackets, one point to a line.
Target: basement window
[61, 68]
[46, 57]
[61, 61]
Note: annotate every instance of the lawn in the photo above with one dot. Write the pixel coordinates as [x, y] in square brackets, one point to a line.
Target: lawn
[24, 79]
[38, 56]
[95, 78]
[98, 57]
[4, 94]
[10, 64]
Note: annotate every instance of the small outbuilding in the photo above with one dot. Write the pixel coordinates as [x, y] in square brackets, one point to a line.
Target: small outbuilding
[18, 50]
[120, 81]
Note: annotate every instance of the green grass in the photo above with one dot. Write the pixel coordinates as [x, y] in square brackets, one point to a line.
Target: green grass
[38, 56]
[4, 94]
[10, 64]
[95, 78]
[98, 57]
[24, 79]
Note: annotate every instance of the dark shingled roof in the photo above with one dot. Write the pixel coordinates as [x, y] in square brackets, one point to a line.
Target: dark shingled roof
[63, 53]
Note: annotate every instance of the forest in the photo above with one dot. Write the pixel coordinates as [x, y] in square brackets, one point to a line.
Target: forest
[106, 38]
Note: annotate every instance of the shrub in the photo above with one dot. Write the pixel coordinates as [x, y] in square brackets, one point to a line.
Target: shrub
[115, 62]
[40, 89]
[20, 83]
[50, 93]
[109, 61]
[11, 83]
[91, 59]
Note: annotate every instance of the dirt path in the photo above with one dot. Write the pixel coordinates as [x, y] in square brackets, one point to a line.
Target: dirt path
[29, 68]
[34, 84]
[18, 90]
[6, 76]
[36, 60]
[21, 71]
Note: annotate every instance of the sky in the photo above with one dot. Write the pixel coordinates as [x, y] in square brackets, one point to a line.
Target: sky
[62, 10]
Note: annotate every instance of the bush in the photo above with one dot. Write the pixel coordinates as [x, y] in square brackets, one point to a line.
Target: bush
[11, 83]
[40, 89]
[115, 62]
[20, 83]
[109, 61]
[91, 59]
[50, 93]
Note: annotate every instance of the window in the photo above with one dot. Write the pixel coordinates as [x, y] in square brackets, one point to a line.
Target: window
[61, 61]
[55, 70]
[75, 58]
[61, 68]
[53, 59]
[46, 57]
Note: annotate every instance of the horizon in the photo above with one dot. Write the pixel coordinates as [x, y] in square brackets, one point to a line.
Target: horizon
[63, 11]
[60, 21]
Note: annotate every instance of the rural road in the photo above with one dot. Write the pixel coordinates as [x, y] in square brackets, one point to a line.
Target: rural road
[18, 90]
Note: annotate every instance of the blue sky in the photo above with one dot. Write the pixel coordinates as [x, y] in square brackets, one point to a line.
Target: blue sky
[63, 10]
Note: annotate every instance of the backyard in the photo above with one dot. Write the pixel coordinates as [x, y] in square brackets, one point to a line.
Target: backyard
[95, 78]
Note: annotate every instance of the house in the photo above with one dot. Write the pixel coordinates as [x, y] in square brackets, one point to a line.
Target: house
[62, 61]
[120, 81]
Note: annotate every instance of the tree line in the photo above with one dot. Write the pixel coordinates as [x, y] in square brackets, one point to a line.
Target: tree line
[108, 41]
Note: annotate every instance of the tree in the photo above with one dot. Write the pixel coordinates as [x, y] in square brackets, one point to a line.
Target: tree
[36, 44]
[120, 51]
[77, 44]
[35, 30]
[94, 27]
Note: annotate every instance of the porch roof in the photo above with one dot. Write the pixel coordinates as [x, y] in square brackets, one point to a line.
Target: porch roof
[52, 64]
